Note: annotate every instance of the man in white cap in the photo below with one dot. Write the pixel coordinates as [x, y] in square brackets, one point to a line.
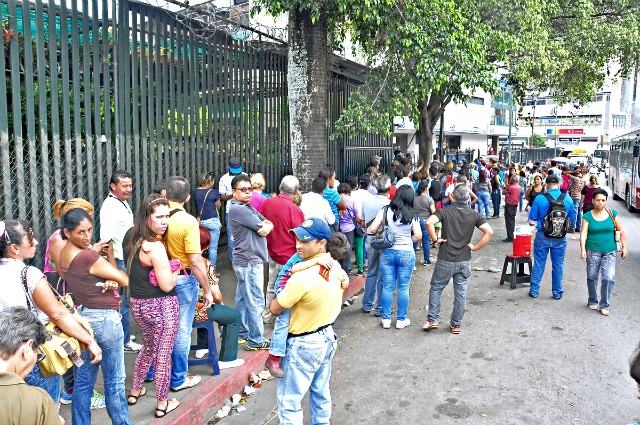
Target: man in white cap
[226, 193]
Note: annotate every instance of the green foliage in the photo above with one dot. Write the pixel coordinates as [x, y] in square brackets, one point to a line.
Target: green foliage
[539, 141]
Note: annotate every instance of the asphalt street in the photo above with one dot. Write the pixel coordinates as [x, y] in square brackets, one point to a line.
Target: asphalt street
[518, 360]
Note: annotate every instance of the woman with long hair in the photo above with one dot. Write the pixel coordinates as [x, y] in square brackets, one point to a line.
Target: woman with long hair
[482, 188]
[586, 203]
[424, 206]
[154, 306]
[207, 200]
[17, 244]
[397, 262]
[496, 193]
[94, 282]
[534, 190]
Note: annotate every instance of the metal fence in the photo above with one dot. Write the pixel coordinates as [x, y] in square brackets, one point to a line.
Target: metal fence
[522, 156]
[91, 86]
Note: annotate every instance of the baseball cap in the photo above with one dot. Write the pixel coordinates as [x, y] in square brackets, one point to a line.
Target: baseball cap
[235, 166]
[553, 179]
[312, 228]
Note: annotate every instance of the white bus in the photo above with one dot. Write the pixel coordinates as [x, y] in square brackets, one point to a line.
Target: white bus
[624, 169]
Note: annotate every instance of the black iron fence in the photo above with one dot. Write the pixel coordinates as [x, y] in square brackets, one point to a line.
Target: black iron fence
[91, 86]
[522, 156]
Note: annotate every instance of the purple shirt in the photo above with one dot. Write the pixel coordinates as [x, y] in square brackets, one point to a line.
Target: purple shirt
[257, 199]
[346, 219]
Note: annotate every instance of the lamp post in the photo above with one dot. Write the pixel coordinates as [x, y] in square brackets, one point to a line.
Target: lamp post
[554, 111]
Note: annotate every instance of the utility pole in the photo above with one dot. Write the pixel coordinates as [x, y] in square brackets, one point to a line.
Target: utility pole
[510, 94]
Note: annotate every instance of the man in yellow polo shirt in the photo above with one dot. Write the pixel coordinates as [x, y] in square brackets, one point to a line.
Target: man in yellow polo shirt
[315, 303]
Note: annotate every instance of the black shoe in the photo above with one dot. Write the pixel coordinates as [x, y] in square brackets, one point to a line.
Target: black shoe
[507, 240]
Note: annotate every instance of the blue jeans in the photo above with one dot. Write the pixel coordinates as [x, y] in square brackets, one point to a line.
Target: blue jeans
[542, 246]
[396, 266]
[187, 291]
[600, 261]
[214, 226]
[230, 243]
[442, 274]
[373, 283]
[250, 302]
[280, 330]
[426, 247]
[107, 331]
[521, 203]
[484, 200]
[577, 224]
[496, 197]
[124, 307]
[50, 384]
[307, 367]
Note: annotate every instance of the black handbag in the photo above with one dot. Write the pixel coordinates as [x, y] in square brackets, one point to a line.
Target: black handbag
[358, 232]
[384, 238]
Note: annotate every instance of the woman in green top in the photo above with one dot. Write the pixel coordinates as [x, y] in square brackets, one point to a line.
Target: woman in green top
[598, 248]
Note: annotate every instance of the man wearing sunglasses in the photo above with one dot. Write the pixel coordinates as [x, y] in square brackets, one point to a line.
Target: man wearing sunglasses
[249, 229]
[21, 333]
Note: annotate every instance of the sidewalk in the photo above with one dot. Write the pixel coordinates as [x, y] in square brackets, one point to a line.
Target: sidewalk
[199, 404]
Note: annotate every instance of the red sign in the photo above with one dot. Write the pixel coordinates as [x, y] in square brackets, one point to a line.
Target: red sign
[571, 131]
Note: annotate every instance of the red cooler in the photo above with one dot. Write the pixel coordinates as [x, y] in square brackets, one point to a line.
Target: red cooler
[521, 245]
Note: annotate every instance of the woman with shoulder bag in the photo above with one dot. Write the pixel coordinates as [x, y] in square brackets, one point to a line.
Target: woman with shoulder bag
[601, 227]
[207, 200]
[155, 307]
[534, 190]
[94, 282]
[17, 243]
[398, 261]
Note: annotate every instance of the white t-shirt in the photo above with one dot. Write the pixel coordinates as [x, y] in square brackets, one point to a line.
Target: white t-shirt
[225, 187]
[314, 205]
[359, 196]
[12, 294]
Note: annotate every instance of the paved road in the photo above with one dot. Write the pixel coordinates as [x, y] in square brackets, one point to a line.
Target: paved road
[517, 360]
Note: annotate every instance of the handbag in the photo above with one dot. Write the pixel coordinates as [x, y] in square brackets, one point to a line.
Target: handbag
[201, 312]
[384, 237]
[203, 203]
[174, 264]
[358, 232]
[616, 232]
[61, 350]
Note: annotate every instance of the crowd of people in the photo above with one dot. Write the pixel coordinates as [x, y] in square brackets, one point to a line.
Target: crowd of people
[159, 267]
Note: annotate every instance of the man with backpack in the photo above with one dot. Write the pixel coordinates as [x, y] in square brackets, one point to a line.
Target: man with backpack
[551, 213]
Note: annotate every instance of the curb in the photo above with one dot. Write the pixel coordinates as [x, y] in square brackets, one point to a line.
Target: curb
[200, 406]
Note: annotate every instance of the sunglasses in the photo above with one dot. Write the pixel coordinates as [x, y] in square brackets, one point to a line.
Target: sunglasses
[34, 348]
[244, 189]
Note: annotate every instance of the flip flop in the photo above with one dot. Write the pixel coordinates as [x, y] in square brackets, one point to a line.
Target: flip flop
[166, 410]
[143, 391]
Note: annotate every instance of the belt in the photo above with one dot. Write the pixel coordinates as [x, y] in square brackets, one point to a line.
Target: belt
[184, 270]
[308, 333]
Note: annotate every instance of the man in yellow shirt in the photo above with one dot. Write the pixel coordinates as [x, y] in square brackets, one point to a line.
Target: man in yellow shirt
[314, 297]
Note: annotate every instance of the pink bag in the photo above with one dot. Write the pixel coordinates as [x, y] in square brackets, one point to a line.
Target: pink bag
[175, 265]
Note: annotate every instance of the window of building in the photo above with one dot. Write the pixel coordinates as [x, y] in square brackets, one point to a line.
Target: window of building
[619, 120]
[474, 100]
[601, 97]
[500, 116]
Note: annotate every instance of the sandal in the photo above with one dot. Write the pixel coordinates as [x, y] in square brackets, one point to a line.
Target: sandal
[166, 409]
[143, 391]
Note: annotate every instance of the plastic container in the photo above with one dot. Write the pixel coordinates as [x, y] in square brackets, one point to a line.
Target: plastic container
[521, 245]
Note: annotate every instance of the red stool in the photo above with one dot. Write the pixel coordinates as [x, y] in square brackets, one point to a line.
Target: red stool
[517, 274]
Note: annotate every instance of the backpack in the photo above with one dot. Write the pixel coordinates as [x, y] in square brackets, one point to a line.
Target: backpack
[556, 221]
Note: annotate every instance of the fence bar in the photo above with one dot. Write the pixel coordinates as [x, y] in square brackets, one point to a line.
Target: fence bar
[4, 137]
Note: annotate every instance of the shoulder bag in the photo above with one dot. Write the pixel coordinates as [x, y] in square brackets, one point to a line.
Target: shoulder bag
[61, 350]
[384, 238]
[616, 232]
[203, 203]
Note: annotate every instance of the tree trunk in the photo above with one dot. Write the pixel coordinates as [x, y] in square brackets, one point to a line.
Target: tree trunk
[431, 110]
[307, 88]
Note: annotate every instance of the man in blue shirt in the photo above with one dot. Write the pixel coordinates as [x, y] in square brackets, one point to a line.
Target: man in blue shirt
[331, 195]
[544, 245]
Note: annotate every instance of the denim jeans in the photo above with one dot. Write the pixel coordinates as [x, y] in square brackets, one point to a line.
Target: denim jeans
[230, 243]
[280, 330]
[107, 331]
[229, 319]
[578, 223]
[214, 226]
[307, 367]
[250, 302]
[187, 291]
[50, 384]
[600, 261]
[496, 197]
[521, 203]
[542, 246]
[442, 273]
[346, 261]
[124, 307]
[484, 199]
[396, 266]
[373, 283]
[426, 247]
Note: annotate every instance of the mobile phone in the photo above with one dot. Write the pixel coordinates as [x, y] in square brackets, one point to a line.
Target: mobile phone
[101, 284]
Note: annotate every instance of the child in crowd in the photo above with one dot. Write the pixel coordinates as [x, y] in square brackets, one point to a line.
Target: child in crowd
[337, 248]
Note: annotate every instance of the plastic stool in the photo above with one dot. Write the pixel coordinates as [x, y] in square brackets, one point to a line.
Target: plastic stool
[212, 358]
[517, 274]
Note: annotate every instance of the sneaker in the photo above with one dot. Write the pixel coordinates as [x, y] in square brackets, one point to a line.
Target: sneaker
[604, 311]
[360, 273]
[377, 313]
[97, 401]
[232, 363]
[190, 382]
[594, 307]
[242, 341]
[401, 324]
[455, 330]
[132, 347]
[426, 262]
[264, 346]
[201, 353]
[65, 397]
[386, 323]
[507, 240]
[430, 326]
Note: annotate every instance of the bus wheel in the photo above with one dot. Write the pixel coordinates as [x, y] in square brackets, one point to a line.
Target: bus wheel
[613, 192]
[627, 201]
